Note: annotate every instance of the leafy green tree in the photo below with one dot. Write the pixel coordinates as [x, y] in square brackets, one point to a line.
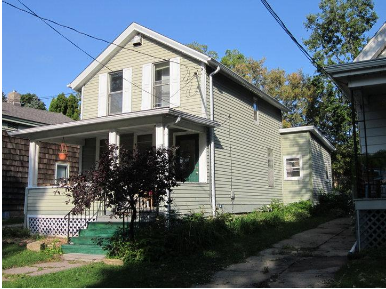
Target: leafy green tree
[338, 30]
[32, 100]
[68, 106]
[203, 49]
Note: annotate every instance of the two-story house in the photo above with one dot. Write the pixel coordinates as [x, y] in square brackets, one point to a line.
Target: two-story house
[148, 90]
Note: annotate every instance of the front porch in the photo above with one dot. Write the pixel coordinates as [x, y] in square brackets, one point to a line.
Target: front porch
[46, 212]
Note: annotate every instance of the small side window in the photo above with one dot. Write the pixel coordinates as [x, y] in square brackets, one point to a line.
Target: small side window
[271, 176]
[255, 110]
[293, 168]
[62, 172]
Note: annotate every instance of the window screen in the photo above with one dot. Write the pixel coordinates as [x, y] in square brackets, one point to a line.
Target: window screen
[115, 95]
[161, 84]
[293, 167]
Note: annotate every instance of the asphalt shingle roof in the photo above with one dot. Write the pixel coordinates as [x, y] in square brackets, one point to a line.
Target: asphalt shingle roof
[35, 115]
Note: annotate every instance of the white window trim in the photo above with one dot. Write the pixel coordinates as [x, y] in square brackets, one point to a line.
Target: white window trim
[285, 167]
[56, 170]
[109, 93]
[153, 86]
[135, 137]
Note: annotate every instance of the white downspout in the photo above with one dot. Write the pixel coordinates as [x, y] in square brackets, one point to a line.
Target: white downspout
[212, 168]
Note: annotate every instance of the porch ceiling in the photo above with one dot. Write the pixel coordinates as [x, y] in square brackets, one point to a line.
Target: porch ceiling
[134, 122]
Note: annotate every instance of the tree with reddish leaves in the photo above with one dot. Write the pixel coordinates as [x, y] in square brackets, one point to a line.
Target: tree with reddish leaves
[121, 177]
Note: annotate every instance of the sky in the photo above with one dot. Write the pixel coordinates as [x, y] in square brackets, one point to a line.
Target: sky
[36, 59]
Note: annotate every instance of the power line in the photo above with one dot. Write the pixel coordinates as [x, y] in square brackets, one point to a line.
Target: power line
[77, 46]
[302, 49]
[91, 36]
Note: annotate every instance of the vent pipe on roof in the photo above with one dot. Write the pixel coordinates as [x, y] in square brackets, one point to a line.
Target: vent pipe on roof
[14, 98]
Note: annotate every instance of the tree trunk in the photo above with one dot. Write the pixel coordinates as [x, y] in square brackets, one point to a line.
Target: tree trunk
[132, 220]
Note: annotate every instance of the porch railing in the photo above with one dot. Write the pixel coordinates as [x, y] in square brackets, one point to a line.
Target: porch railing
[76, 222]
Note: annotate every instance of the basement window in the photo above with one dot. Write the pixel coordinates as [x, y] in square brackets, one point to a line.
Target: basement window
[293, 168]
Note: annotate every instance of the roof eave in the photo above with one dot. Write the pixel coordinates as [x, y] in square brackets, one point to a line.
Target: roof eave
[225, 70]
[119, 117]
[312, 129]
[122, 40]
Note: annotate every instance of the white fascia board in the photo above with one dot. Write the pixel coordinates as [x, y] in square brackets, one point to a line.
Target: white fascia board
[117, 117]
[122, 40]
[374, 47]
[310, 129]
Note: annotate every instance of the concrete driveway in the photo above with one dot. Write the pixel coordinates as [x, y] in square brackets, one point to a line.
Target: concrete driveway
[308, 259]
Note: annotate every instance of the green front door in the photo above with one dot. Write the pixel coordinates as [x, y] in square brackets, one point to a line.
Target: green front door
[189, 154]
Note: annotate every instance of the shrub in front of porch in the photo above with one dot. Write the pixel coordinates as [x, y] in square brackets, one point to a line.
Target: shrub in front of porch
[121, 178]
[190, 234]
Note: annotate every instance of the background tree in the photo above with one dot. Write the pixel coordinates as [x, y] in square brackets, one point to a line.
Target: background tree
[68, 106]
[337, 36]
[4, 96]
[32, 100]
[203, 49]
[121, 178]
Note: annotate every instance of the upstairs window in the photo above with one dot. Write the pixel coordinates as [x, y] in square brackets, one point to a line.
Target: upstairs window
[293, 168]
[115, 92]
[255, 110]
[161, 85]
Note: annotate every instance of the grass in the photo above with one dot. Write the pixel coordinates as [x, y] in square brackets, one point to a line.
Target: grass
[366, 269]
[185, 271]
[15, 255]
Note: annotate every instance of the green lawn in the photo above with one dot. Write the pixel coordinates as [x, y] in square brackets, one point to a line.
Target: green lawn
[184, 271]
[367, 269]
[15, 255]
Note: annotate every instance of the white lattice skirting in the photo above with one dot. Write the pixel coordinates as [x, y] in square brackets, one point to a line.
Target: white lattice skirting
[55, 225]
[372, 228]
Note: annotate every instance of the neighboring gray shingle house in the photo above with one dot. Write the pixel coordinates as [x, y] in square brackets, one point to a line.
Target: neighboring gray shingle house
[364, 82]
[16, 150]
[156, 91]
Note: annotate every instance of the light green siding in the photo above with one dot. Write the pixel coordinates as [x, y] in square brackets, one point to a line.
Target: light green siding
[191, 198]
[241, 148]
[292, 145]
[135, 57]
[44, 201]
[321, 161]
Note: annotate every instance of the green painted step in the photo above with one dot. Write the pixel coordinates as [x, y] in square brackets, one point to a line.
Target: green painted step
[88, 240]
[105, 225]
[85, 249]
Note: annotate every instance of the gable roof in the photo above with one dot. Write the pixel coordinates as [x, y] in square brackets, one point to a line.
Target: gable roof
[134, 29]
[36, 116]
[313, 130]
[374, 47]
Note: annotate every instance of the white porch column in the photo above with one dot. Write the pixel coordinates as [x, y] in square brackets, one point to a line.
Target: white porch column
[159, 135]
[113, 137]
[33, 159]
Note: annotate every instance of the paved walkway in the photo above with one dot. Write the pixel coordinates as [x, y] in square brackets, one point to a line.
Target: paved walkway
[68, 261]
[308, 259]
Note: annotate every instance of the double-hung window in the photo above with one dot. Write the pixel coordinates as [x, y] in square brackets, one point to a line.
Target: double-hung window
[293, 168]
[255, 110]
[161, 84]
[115, 92]
[62, 171]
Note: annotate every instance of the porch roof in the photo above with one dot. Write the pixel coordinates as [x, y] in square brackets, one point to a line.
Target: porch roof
[76, 129]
